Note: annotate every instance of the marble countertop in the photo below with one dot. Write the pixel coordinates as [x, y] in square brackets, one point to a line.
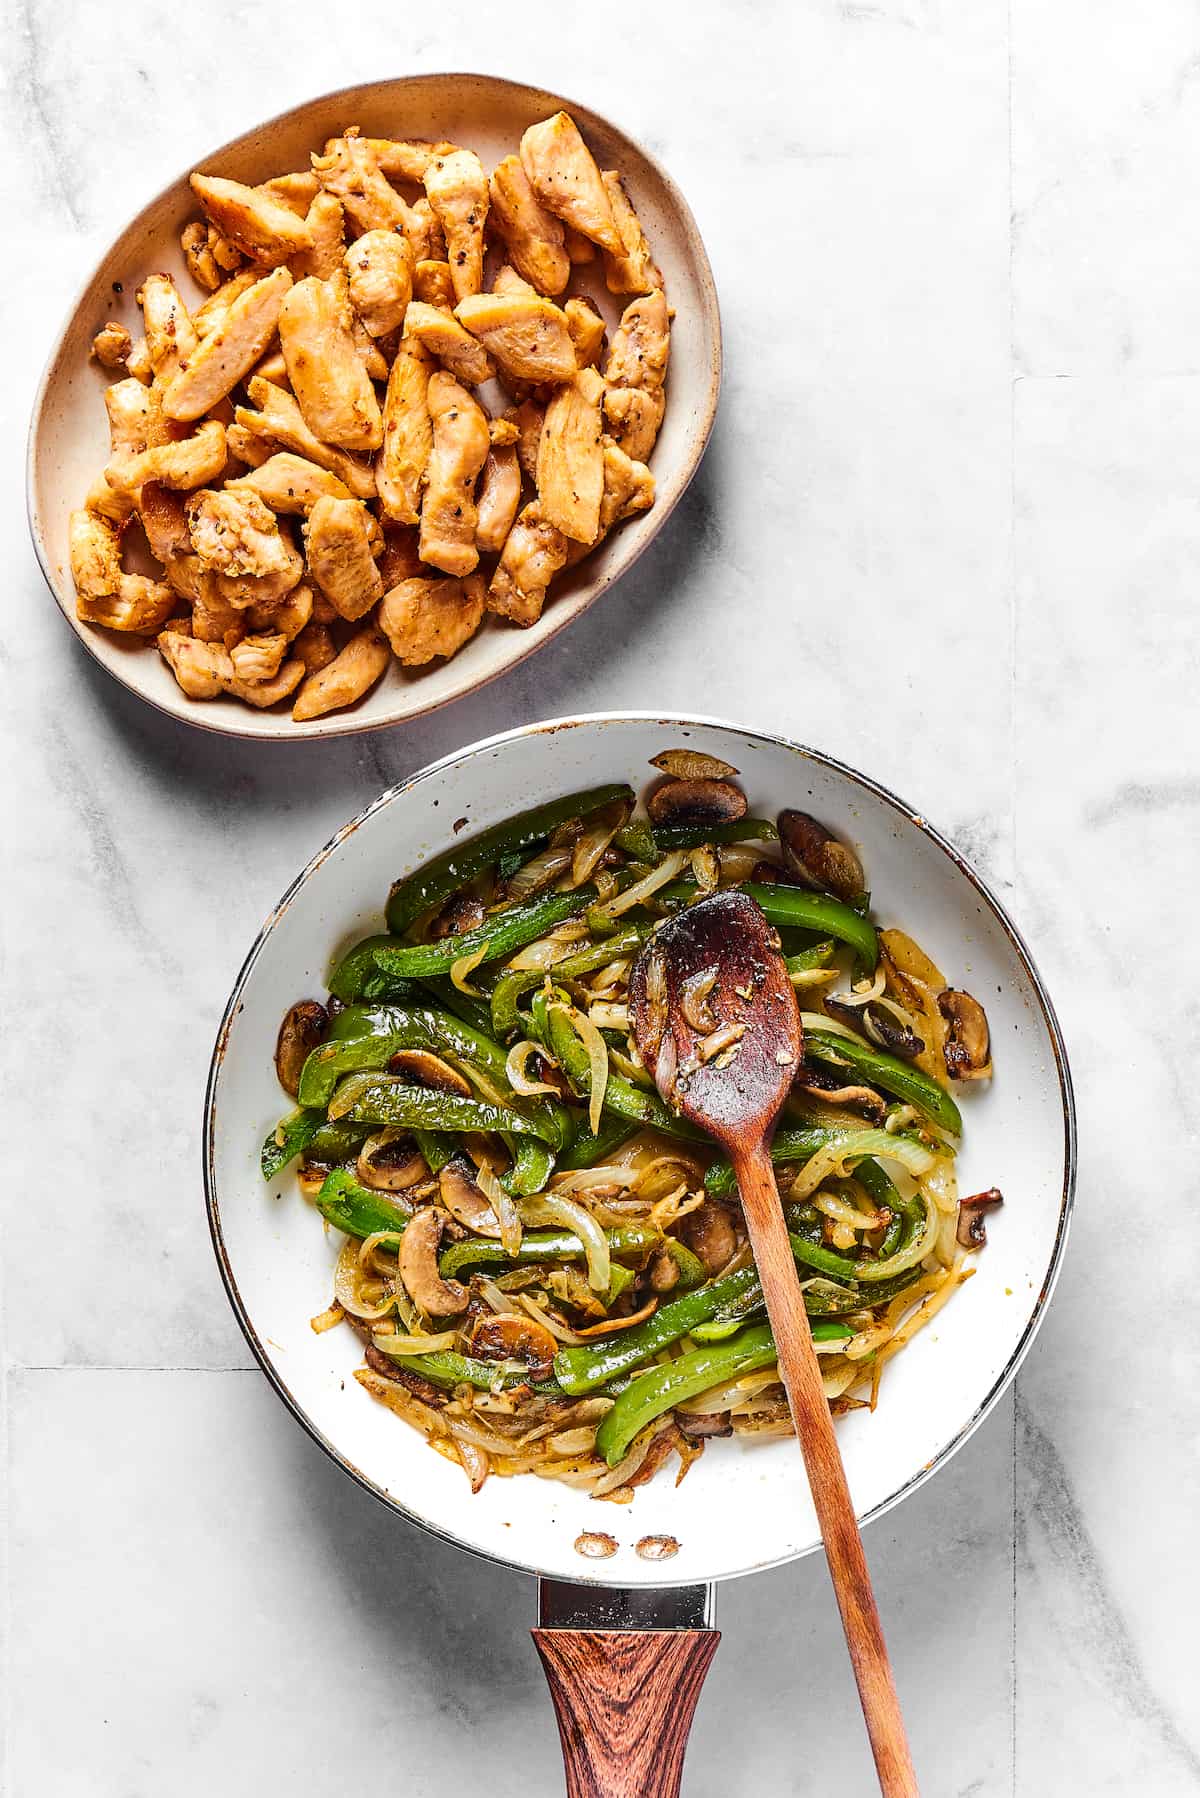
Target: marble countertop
[960, 443]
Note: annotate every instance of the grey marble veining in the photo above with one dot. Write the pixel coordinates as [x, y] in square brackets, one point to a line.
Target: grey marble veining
[959, 447]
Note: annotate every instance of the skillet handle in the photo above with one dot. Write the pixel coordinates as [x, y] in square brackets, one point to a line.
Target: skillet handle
[625, 1701]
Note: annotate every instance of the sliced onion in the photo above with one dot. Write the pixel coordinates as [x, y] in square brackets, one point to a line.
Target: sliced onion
[327, 1320]
[923, 1244]
[504, 1206]
[560, 1332]
[850, 1215]
[549, 949]
[596, 839]
[611, 1325]
[706, 867]
[828, 1160]
[539, 871]
[626, 1468]
[347, 1282]
[579, 1441]
[518, 1079]
[597, 1052]
[416, 1344]
[464, 967]
[667, 870]
[606, 1016]
[587, 1179]
[693, 1001]
[553, 1208]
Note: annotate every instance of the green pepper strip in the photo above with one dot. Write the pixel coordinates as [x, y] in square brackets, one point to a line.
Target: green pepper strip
[532, 1167]
[692, 836]
[819, 956]
[358, 1210]
[564, 1245]
[435, 880]
[449, 1370]
[620, 1095]
[498, 935]
[511, 986]
[662, 1388]
[290, 1135]
[888, 1071]
[787, 1145]
[436, 1150]
[472, 1011]
[337, 1142]
[587, 1149]
[389, 1103]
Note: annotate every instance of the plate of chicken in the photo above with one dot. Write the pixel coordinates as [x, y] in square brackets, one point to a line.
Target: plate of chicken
[370, 404]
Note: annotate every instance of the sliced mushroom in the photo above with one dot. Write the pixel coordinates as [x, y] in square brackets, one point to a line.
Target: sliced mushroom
[463, 912]
[691, 764]
[419, 1267]
[391, 1162]
[511, 1338]
[967, 1048]
[464, 1201]
[825, 1086]
[699, 802]
[972, 1225]
[878, 1025]
[303, 1028]
[771, 874]
[663, 1271]
[709, 1233]
[424, 1068]
[696, 1424]
[818, 858]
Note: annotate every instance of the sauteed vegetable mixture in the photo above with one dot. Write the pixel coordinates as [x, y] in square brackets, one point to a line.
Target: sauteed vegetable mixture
[548, 1268]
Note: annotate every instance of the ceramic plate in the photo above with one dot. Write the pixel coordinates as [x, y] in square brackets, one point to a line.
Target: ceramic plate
[69, 436]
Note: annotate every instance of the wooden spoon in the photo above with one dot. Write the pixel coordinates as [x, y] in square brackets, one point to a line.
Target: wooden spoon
[717, 1023]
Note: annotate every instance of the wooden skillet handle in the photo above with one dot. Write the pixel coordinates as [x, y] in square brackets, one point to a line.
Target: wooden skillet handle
[801, 1375]
[625, 1701]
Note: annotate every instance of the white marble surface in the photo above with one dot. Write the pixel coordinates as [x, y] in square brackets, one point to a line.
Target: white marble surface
[959, 445]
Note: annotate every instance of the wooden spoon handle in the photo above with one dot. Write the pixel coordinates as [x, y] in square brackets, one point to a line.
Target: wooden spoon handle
[801, 1375]
[625, 1701]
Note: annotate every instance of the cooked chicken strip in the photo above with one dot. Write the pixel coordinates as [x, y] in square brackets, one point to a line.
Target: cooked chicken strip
[425, 234]
[140, 607]
[442, 335]
[424, 619]
[350, 170]
[563, 175]
[268, 692]
[433, 283]
[215, 309]
[246, 590]
[289, 483]
[164, 519]
[285, 617]
[137, 363]
[526, 335]
[587, 330]
[634, 270]
[296, 191]
[111, 345]
[339, 556]
[528, 419]
[245, 447]
[628, 488]
[251, 220]
[326, 221]
[190, 462]
[347, 677]
[533, 236]
[636, 372]
[499, 499]
[460, 446]
[458, 192]
[198, 258]
[407, 433]
[331, 386]
[130, 407]
[280, 420]
[171, 337]
[230, 351]
[507, 280]
[258, 658]
[379, 267]
[405, 159]
[95, 547]
[235, 533]
[107, 502]
[203, 670]
[533, 555]
[570, 463]
[214, 620]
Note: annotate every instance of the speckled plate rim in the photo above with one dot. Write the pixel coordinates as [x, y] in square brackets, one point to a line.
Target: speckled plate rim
[219, 721]
[668, 721]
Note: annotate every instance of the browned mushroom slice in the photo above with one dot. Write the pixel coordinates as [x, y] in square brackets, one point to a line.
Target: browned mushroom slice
[696, 802]
[972, 1225]
[464, 1201]
[878, 1025]
[419, 1267]
[967, 1048]
[692, 764]
[303, 1028]
[391, 1162]
[825, 1086]
[506, 1337]
[709, 1233]
[817, 858]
